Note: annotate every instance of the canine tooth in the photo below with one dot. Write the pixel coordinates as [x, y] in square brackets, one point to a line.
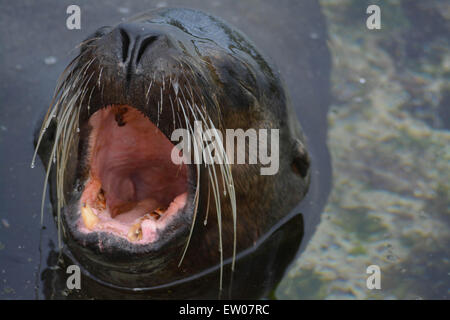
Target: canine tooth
[89, 218]
[135, 232]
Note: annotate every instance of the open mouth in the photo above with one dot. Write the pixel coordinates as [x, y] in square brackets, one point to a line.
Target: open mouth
[133, 188]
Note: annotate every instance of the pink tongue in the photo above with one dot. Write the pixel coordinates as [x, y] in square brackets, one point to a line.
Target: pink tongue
[120, 193]
[132, 159]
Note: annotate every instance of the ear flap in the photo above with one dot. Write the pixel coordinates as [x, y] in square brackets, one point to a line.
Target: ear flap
[301, 161]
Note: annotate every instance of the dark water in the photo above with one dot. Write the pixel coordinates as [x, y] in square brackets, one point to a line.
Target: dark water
[35, 48]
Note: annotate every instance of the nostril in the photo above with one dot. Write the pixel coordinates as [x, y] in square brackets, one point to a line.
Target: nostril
[143, 45]
[134, 39]
[125, 44]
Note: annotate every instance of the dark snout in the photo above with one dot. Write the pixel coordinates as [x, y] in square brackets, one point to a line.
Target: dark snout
[134, 48]
[139, 44]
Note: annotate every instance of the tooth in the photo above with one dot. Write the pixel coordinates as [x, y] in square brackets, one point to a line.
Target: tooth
[89, 218]
[135, 232]
[101, 201]
[155, 215]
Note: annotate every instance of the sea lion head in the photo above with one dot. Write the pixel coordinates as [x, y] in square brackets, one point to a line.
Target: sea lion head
[130, 215]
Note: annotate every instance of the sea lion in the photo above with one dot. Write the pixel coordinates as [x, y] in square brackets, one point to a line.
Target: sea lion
[129, 216]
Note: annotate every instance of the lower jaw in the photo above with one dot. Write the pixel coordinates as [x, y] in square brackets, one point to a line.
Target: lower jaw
[109, 249]
[136, 225]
